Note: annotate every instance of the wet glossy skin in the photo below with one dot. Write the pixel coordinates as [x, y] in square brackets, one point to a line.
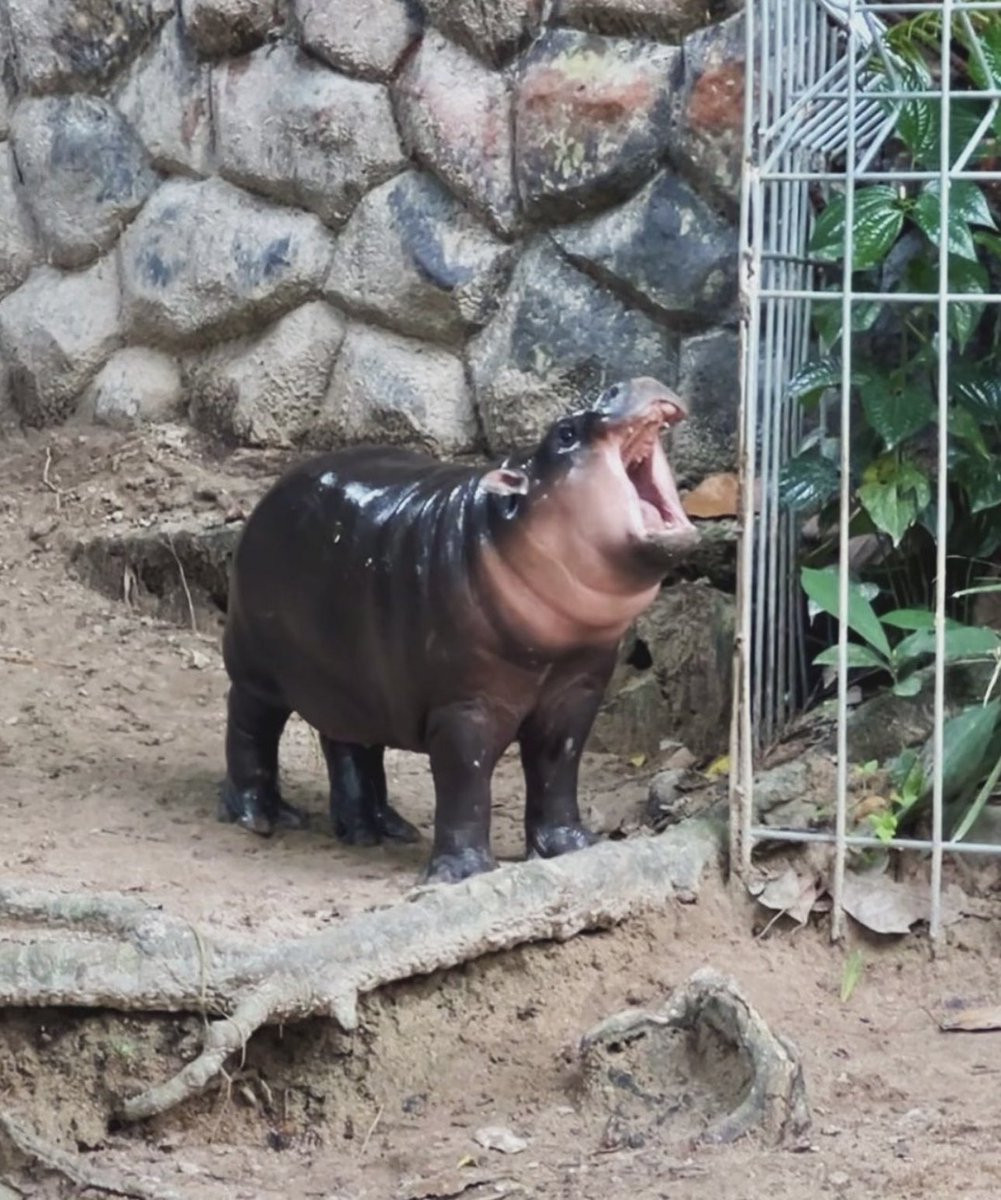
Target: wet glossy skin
[391, 600]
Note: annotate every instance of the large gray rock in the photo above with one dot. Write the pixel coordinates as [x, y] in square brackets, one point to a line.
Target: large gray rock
[668, 20]
[167, 100]
[709, 379]
[557, 337]
[84, 173]
[365, 38]
[63, 44]
[218, 27]
[205, 260]
[708, 121]
[591, 119]
[665, 245]
[413, 258]
[136, 384]
[268, 390]
[10, 422]
[17, 237]
[455, 116]
[294, 130]
[493, 31]
[6, 70]
[56, 331]
[393, 389]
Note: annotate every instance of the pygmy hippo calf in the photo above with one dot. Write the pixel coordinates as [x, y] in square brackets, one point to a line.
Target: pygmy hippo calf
[393, 600]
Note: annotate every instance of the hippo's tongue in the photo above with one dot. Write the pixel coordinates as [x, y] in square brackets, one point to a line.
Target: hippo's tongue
[653, 522]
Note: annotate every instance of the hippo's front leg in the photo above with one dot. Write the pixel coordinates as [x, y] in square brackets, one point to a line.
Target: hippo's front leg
[551, 741]
[464, 742]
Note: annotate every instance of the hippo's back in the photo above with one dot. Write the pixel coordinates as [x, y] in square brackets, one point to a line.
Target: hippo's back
[348, 584]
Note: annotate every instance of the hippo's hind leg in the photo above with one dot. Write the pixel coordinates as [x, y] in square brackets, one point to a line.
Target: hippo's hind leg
[551, 742]
[249, 794]
[360, 812]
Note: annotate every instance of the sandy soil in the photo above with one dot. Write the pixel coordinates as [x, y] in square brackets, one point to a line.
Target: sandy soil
[111, 729]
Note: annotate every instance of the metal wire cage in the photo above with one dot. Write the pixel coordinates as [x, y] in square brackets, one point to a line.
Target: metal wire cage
[824, 99]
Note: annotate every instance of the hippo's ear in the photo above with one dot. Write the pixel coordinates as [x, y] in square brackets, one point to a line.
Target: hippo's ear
[505, 481]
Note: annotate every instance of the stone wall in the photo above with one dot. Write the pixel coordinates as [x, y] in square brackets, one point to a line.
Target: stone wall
[306, 222]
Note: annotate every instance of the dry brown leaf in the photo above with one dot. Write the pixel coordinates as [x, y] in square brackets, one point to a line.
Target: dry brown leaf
[715, 496]
[887, 905]
[972, 1020]
[793, 894]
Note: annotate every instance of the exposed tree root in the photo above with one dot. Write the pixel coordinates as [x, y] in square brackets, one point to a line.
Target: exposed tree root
[118, 953]
[16, 1140]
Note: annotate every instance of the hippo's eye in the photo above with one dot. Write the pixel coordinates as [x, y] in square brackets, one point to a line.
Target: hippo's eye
[567, 436]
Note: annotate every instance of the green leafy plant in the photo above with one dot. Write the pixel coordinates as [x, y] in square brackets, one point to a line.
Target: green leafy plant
[912, 631]
[898, 233]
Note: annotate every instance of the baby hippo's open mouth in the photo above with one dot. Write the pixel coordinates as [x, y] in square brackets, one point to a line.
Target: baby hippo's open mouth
[638, 458]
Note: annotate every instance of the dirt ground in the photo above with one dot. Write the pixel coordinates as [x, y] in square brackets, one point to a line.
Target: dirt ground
[111, 728]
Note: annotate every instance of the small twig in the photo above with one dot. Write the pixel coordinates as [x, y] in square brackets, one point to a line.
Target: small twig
[24, 659]
[58, 491]
[371, 1130]
[184, 584]
[71, 1167]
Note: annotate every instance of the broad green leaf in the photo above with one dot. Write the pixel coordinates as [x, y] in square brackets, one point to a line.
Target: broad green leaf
[918, 126]
[910, 686]
[809, 480]
[981, 479]
[975, 809]
[963, 316]
[979, 391]
[966, 738]
[896, 411]
[964, 426]
[813, 378]
[876, 222]
[893, 493]
[827, 318]
[821, 586]
[990, 241]
[858, 656]
[964, 641]
[964, 199]
[965, 117]
[914, 618]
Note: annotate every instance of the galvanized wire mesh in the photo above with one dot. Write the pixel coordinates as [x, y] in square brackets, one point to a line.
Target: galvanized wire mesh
[823, 99]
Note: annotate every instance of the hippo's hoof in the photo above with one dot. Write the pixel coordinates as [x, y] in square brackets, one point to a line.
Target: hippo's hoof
[383, 825]
[260, 812]
[548, 841]
[395, 828]
[451, 868]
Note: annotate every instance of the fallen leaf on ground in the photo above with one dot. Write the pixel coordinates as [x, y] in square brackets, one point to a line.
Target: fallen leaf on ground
[496, 1137]
[719, 766]
[972, 1020]
[792, 894]
[887, 905]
